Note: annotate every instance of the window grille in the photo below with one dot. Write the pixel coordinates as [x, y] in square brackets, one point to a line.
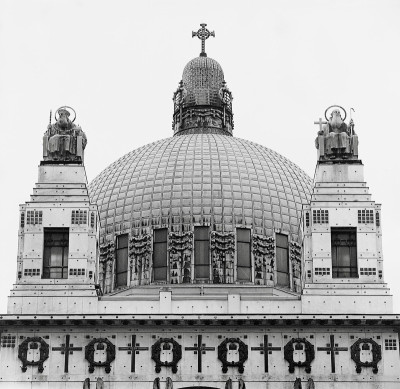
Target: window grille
[365, 216]
[378, 219]
[390, 344]
[34, 217]
[31, 272]
[76, 272]
[368, 271]
[92, 220]
[320, 216]
[8, 341]
[79, 217]
[22, 220]
[322, 271]
[307, 219]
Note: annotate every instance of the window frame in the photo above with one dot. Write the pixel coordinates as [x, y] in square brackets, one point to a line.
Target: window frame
[119, 256]
[46, 268]
[157, 242]
[199, 241]
[249, 267]
[287, 283]
[353, 270]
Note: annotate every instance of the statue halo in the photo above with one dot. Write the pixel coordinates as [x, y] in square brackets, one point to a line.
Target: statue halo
[338, 106]
[66, 107]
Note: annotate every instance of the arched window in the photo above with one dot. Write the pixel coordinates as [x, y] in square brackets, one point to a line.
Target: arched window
[243, 254]
[282, 260]
[160, 254]
[121, 259]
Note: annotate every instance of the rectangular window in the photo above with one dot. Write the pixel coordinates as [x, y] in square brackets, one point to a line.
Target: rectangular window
[34, 217]
[78, 217]
[282, 260]
[201, 253]
[243, 254]
[22, 220]
[320, 216]
[344, 252]
[307, 219]
[160, 254]
[365, 216]
[121, 259]
[55, 253]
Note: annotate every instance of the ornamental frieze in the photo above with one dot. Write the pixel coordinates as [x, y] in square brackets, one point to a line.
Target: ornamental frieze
[232, 352]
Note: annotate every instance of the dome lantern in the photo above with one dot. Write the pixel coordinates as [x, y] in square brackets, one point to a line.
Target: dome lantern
[202, 102]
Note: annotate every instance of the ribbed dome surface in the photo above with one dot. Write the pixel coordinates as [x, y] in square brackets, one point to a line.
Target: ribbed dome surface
[202, 78]
[197, 179]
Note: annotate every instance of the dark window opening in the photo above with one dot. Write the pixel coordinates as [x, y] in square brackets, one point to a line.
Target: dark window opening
[160, 254]
[201, 253]
[243, 254]
[55, 253]
[344, 252]
[282, 260]
[121, 260]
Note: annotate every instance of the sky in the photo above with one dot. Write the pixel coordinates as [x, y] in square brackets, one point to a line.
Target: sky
[117, 63]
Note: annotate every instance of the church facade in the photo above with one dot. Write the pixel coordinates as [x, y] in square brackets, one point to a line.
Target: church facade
[200, 261]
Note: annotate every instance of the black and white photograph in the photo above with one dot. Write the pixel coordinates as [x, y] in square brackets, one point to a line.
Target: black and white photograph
[199, 194]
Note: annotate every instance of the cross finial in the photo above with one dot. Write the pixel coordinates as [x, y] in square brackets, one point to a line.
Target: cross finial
[203, 33]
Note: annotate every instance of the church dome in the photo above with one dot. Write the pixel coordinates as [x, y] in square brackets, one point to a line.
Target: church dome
[202, 206]
[201, 179]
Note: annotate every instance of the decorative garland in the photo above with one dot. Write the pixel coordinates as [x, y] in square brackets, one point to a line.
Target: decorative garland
[176, 354]
[106, 261]
[223, 354]
[110, 354]
[223, 249]
[180, 247]
[139, 258]
[288, 352]
[355, 351]
[295, 260]
[263, 248]
[23, 353]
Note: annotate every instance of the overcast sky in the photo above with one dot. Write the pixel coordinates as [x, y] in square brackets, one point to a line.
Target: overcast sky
[118, 62]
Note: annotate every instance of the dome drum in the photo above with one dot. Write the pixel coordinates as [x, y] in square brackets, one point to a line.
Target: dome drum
[200, 256]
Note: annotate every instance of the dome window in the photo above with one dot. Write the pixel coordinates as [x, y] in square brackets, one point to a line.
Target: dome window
[160, 254]
[121, 258]
[201, 253]
[243, 254]
[282, 260]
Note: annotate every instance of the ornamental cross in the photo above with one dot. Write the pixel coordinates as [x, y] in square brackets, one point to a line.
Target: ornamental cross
[266, 349]
[203, 33]
[199, 349]
[133, 349]
[320, 122]
[333, 349]
[67, 349]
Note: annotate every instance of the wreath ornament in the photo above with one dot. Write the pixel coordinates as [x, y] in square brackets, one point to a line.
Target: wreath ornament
[296, 343]
[355, 350]
[223, 354]
[32, 343]
[176, 354]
